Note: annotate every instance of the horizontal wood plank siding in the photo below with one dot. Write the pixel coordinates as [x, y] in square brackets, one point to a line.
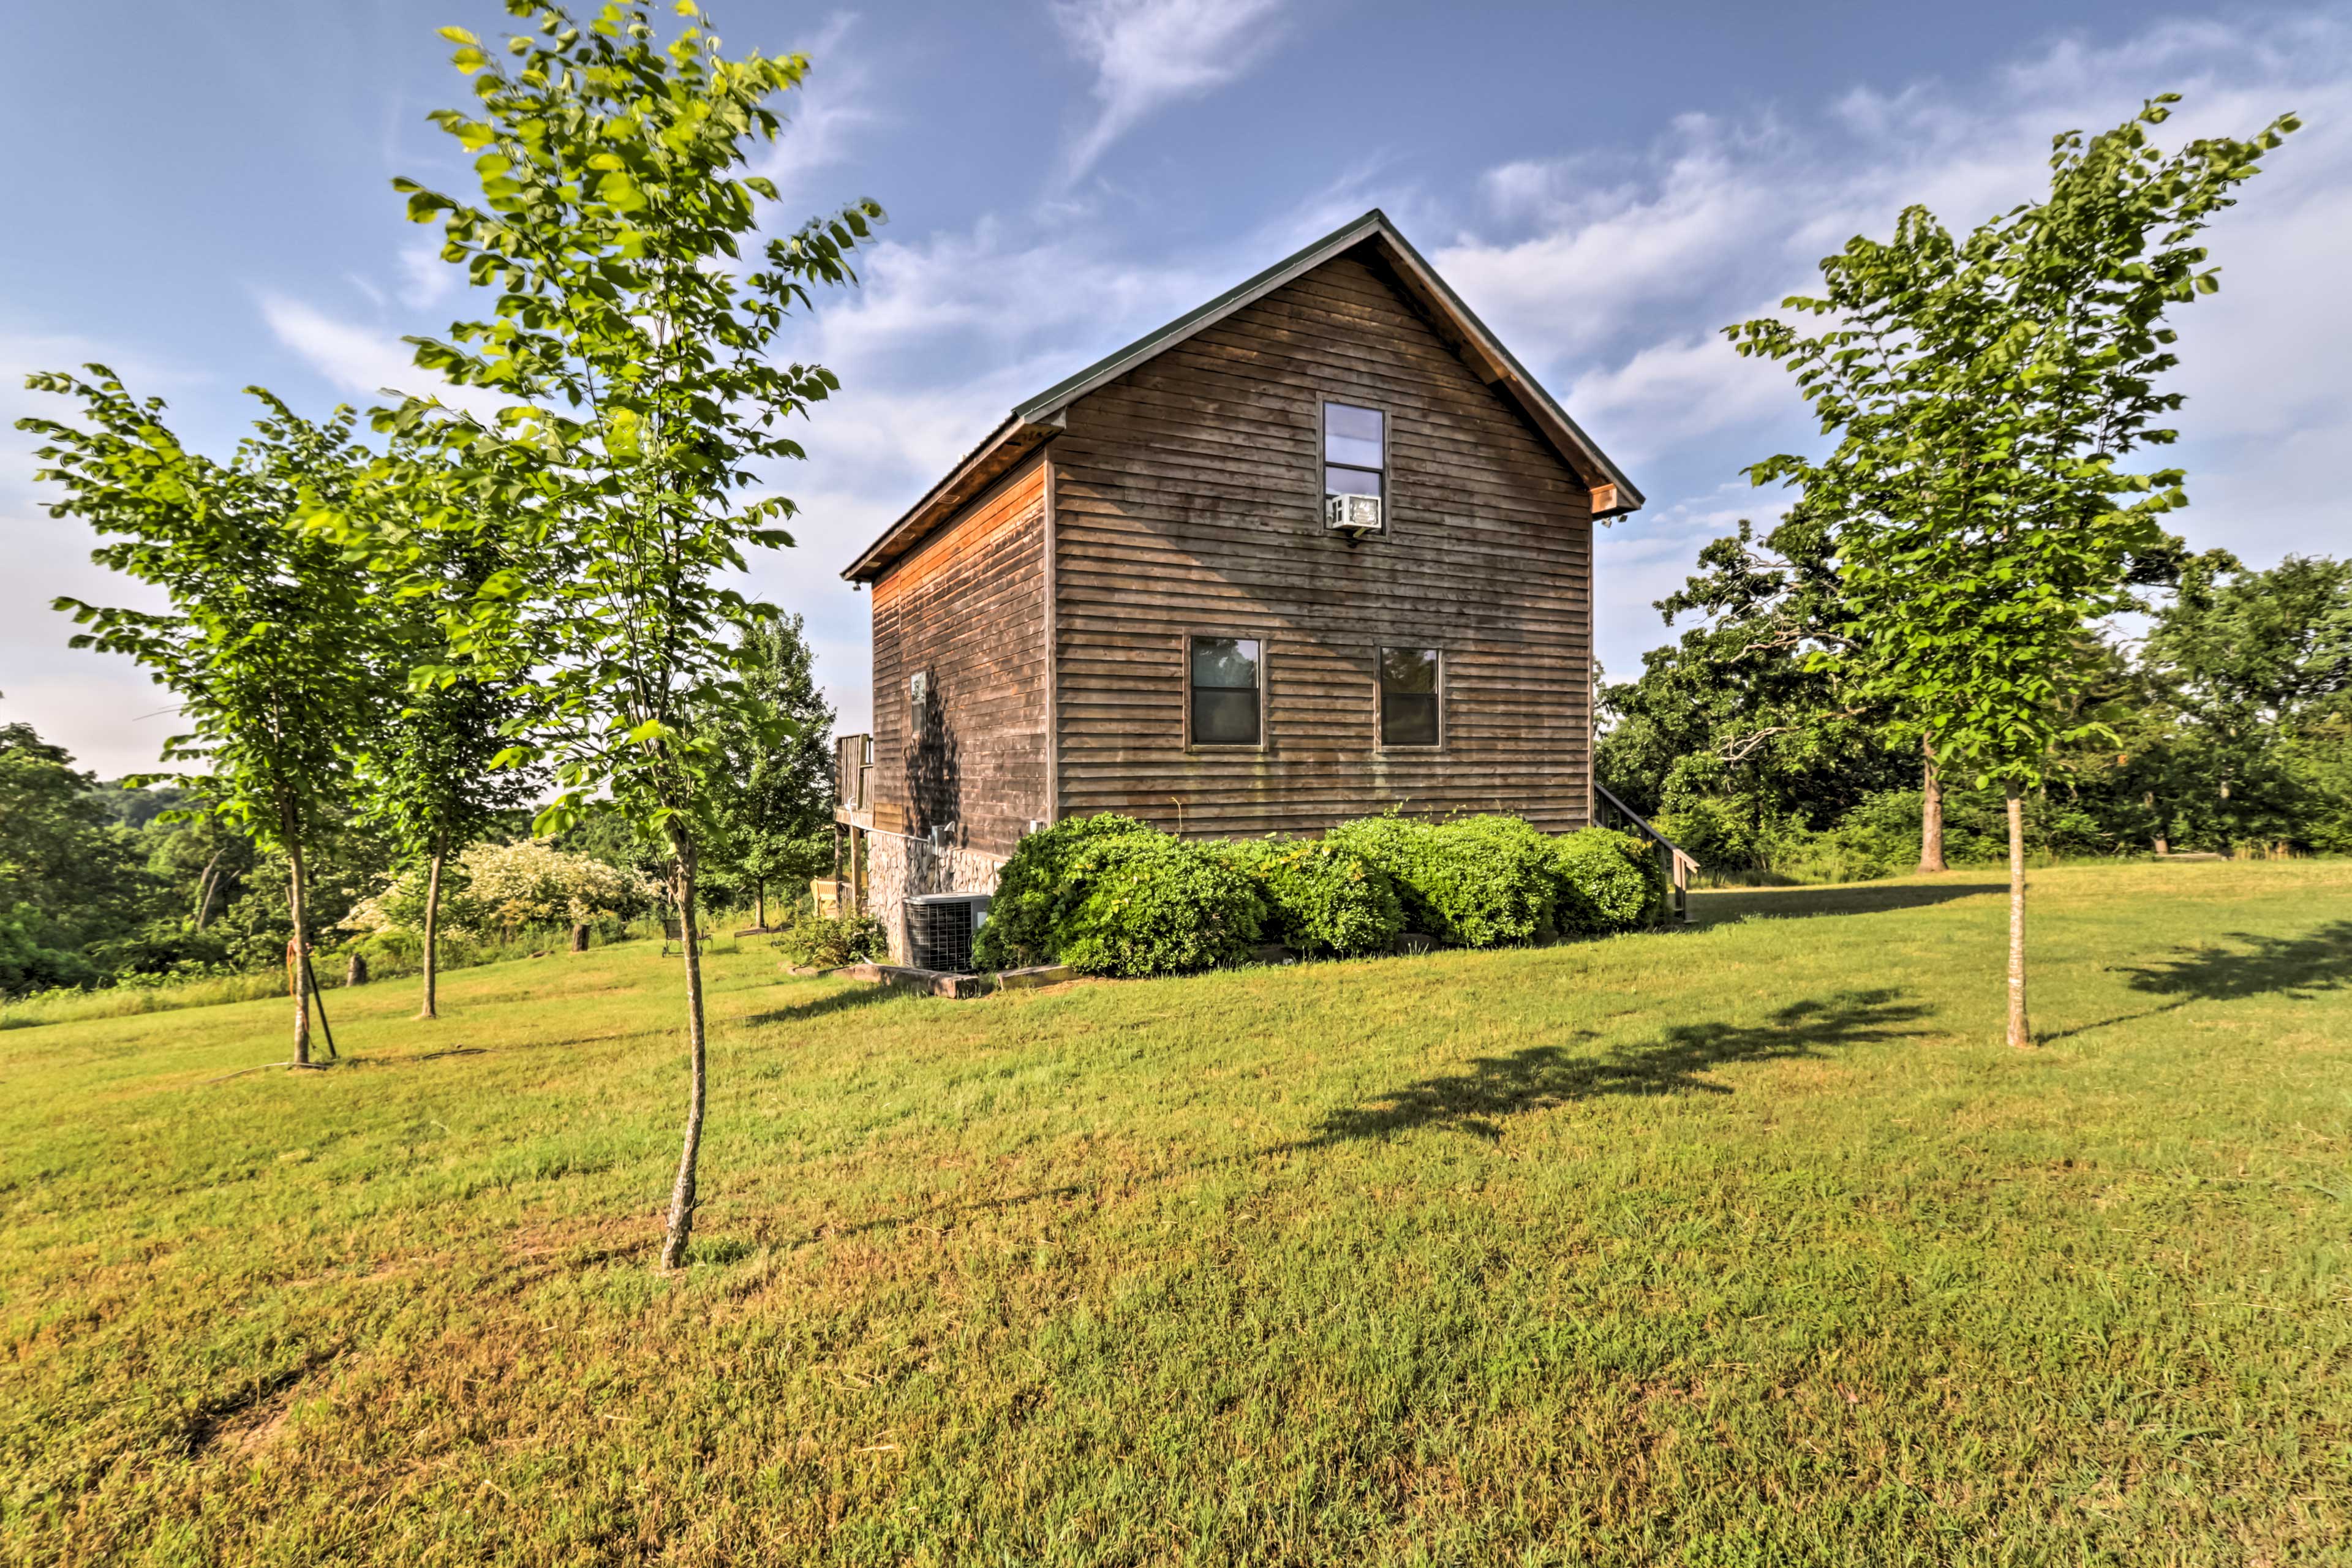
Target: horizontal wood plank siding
[968, 610]
[1187, 497]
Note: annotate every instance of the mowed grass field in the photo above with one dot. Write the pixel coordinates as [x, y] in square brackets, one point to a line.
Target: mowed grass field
[1745, 1244]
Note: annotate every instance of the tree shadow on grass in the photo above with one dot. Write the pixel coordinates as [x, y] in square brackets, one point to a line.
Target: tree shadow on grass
[1545, 1076]
[1715, 906]
[1495, 1086]
[2297, 967]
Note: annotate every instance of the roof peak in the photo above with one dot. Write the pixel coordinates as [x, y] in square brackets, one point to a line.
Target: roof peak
[1030, 423]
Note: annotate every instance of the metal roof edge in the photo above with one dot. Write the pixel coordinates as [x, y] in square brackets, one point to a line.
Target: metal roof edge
[1048, 407]
[1120, 361]
[858, 570]
[1495, 345]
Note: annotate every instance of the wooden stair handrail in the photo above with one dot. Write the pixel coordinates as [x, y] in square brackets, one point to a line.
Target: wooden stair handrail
[1680, 867]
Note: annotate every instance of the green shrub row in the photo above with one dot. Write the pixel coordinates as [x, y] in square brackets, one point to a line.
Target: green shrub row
[1323, 899]
[1108, 895]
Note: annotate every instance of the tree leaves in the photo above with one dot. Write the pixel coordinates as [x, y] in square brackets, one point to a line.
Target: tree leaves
[614, 204]
[1981, 391]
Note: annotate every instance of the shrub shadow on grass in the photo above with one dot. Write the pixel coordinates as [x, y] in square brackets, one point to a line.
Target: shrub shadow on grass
[1715, 906]
[1545, 1076]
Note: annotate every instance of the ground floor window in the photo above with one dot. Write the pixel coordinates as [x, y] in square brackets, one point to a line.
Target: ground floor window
[1409, 696]
[1228, 687]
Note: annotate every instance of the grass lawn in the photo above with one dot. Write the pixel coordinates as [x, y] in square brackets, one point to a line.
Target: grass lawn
[1748, 1244]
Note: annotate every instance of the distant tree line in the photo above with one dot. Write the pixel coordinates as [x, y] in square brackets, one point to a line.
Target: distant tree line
[120, 883]
[2226, 715]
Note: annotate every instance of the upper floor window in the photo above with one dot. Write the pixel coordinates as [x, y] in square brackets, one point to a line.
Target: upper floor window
[1409, 695]
[1228, 680]
[1355, 450]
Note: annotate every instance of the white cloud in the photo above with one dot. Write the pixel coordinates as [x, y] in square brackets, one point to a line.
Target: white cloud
[352, 358]
[1614, 274]
[99, 705]
[363, 362]
[826, 114]
[425, 279]
[1150, 54]
[1672, 392]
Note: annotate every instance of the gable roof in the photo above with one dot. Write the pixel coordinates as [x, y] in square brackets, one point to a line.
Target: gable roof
[1032, 424]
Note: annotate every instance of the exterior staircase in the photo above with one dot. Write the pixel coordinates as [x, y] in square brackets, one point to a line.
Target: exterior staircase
[1608, 811]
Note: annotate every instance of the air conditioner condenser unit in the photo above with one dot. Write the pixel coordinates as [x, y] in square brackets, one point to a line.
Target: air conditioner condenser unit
[940, 929]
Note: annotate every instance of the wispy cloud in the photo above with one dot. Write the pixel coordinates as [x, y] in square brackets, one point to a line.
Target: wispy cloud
[1150, 54]
[1612, 274]
[62, 693]
[828, 114]
[364, 363]
[425, 279]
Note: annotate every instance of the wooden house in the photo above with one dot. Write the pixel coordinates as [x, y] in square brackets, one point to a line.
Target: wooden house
[1320, 548]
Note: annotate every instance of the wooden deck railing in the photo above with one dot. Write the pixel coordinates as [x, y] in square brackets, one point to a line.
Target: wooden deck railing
[1610, 812]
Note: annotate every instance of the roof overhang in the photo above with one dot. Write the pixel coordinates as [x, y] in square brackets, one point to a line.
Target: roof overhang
[1033, 423]
[999, 455]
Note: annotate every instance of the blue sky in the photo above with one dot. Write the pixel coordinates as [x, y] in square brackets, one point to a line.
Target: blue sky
[1606, 184]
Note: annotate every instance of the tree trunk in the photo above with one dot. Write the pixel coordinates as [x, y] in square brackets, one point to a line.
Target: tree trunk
[759, 895]
[301, 943]
[355, 972]
[2019, 1036]
[579, 937]
[205, 890]
[433, 927]
[1931, 810]
[681, 1197]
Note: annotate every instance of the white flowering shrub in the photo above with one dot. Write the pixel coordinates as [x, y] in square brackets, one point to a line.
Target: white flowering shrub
[496, 889]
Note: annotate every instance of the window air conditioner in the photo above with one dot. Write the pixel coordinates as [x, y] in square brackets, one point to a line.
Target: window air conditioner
[1351, 514]
[940, 929]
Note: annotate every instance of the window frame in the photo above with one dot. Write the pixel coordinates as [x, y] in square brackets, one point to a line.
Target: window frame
[1381, 744]
[1323, 402]
[919, 693]
[1265, 703]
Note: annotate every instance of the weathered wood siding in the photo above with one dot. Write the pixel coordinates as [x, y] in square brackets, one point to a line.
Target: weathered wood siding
[1187, 498]
[969, 610]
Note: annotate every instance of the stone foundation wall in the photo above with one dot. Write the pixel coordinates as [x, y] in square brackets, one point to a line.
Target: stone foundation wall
[899, 869]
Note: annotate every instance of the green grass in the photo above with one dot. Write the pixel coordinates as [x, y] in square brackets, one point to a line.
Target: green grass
[1750, 1244]
[66, 1005]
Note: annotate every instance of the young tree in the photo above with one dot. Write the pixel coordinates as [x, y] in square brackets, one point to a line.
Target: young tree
[617, 484]
[426, 777]
[1983, 391]
[265, 646]
[772, 790]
